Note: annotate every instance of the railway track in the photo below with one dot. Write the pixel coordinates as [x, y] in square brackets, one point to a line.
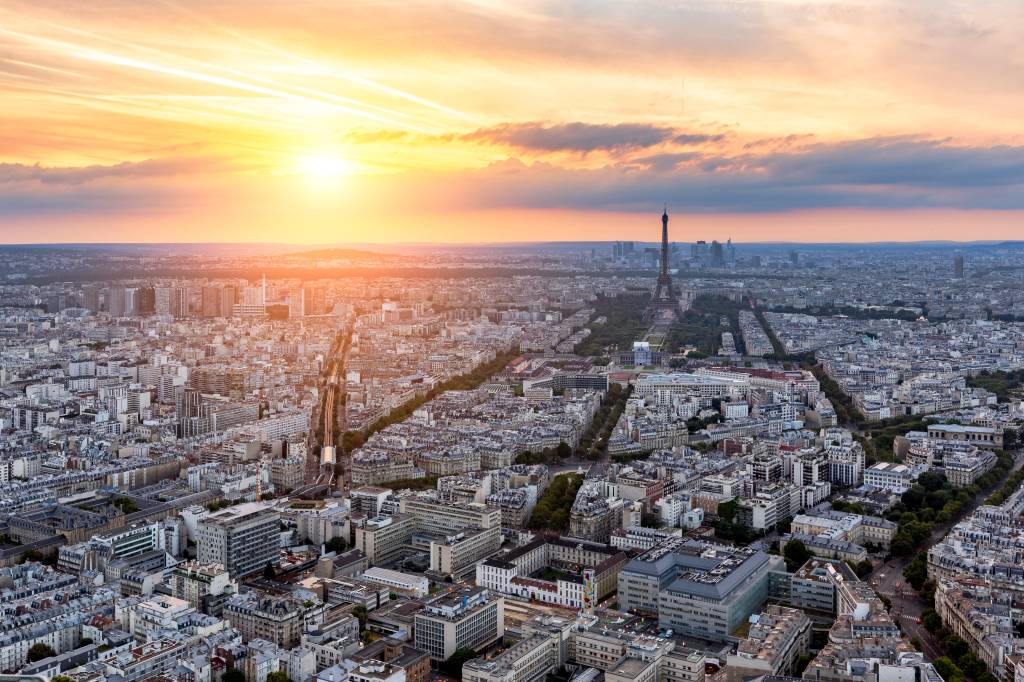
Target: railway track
[333, 415]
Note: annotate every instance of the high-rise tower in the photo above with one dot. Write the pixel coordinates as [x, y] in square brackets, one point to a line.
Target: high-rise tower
[663, 291]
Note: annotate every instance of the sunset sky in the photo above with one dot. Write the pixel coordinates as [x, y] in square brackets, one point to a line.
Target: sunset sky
[494, 120]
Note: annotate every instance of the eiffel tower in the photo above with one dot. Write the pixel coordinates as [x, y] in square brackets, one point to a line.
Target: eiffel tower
[664, 293]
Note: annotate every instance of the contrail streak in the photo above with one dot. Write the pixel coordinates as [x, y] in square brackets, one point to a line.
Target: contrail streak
[365, 82]
[142, 110]
[132, 63]
[45, 68]
[354, 103]
[234, 72]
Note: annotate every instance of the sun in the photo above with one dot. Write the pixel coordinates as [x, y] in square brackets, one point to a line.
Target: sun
[324, 168]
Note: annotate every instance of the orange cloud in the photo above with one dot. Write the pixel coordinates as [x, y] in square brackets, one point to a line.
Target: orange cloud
[184, 113]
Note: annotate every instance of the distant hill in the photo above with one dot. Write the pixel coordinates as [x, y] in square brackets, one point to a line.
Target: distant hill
[339, 253]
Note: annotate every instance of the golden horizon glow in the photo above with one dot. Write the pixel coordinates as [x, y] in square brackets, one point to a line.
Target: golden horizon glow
[421, 116]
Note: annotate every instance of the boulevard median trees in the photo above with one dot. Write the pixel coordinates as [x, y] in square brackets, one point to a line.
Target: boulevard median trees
[553, 508]
[948, 669]
[958, 663]
[545, 456]
[916, 572]
[929, 501]
[354, 439]
[1010, 486]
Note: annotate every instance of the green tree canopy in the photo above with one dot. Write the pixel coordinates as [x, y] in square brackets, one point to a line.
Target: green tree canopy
[233, 675]
[39, 651]
[453, 666]
[337, 544]
[863, 568]
[360, 612]
[796, 554]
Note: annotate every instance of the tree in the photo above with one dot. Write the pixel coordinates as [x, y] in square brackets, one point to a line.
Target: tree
[863, 568]
[268, 571]
[796, 554]
[337, 544]
[932, 622]
[901, 545]
[954, 646]
[453, 666]
[913, 497]
[125, 504]
[62, 678]
[39, 651]
[916, 572]
[727, 510]
[552, 509]
[947, 669]
[563, 450]
[233, 675]
[278, 676]
[360, 612]
[844, 506]
[972, 666]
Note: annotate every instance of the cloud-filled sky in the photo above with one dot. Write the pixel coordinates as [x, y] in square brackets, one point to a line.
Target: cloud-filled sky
[502, 120]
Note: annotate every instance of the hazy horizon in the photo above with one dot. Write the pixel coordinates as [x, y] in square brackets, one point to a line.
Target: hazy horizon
[304, 247]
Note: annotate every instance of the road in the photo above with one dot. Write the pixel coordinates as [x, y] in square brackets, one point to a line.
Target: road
[907, 606]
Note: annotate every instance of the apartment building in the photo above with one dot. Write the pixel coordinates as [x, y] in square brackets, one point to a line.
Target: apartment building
[197, 583]
[778, 636]
[469, 618]
[280, 620]
[384, 538]
[243, 538]
[529, 660]
[458, 554]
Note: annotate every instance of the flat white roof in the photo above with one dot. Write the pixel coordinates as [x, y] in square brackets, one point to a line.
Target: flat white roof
[386, 574]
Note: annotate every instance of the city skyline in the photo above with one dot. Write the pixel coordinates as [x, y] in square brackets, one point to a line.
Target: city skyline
[511, 341]
[486, 122]
[249, 463]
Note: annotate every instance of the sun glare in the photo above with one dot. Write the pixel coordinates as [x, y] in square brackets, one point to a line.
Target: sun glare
[325, 168]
